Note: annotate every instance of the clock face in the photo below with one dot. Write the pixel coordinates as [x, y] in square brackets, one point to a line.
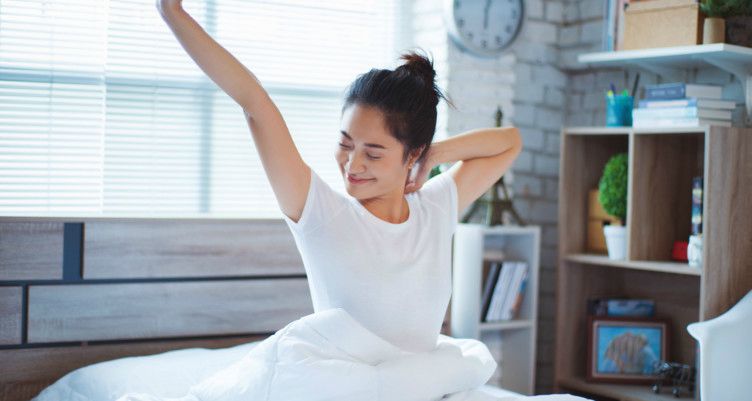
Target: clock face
[485, 27]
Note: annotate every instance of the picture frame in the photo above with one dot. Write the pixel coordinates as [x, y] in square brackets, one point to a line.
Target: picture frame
[623, 349]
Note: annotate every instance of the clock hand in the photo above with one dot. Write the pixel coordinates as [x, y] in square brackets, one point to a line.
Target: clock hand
[485, 14]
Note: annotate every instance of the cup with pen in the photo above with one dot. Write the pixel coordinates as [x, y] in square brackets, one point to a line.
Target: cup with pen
[619, 106]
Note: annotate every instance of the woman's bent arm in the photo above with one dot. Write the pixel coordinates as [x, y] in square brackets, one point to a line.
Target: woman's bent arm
[288, 174]
[484, 155]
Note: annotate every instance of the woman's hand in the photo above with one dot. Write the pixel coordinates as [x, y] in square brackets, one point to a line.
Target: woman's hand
[416, 178]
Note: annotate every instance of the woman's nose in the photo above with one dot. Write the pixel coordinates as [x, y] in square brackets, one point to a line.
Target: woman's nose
[355, 164]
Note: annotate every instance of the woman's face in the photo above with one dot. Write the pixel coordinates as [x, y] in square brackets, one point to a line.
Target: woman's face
[369, 157]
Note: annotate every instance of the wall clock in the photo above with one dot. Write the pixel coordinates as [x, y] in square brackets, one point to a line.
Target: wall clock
[483, 27]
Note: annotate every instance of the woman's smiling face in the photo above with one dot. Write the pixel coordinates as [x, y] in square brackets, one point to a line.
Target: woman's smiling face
[369, 157]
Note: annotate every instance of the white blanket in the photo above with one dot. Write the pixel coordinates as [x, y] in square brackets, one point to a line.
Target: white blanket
[328, 355]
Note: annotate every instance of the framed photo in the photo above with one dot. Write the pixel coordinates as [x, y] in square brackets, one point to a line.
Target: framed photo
[624, 349]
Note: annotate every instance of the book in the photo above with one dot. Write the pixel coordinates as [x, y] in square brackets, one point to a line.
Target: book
[493, 275]
[511, 291]
[498, 294]
[696, 205]
[677, 122]
[691, 101]
[679, 90]
[519, 293]
[681, 112]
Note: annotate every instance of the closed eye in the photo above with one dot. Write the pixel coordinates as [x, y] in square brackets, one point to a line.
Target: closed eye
[342, 145]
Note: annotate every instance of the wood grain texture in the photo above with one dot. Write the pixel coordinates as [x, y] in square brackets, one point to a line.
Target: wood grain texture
[727, 220]
[25, 372]
[31, 250]
[661, 192]
[86, 312]
[149, 249]
[11, 302]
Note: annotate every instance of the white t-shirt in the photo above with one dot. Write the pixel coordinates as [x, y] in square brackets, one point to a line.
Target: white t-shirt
[395, 279]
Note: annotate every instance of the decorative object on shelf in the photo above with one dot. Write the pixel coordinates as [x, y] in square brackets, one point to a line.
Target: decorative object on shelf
[662, 23]
[624, 350]
[679, 251]
[613, 196]
[495, 209]
[735, 20]
[621, 307]
[725, 354]
[484, 28]
[597, 219]
[679, 374]
[694, 250]
[714, 27]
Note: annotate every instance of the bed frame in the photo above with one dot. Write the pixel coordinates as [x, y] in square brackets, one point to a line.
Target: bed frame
[79, 291]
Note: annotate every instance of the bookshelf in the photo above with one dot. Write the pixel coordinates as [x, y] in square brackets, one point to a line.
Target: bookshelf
[661, 165]
[512, 342]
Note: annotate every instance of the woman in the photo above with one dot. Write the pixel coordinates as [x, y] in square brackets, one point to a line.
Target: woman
[381, 252]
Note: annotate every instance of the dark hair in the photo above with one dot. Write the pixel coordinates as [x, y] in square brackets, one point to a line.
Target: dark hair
[407, 96]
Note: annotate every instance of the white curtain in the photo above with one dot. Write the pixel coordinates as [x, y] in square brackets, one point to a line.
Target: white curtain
[103, 114]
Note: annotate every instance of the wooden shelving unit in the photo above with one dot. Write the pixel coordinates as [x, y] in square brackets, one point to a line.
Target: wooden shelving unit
[513, 340]
[662, 163]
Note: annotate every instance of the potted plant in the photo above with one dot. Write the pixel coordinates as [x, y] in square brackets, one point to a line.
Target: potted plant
[714, 27]
[727, 21]
[612, 195]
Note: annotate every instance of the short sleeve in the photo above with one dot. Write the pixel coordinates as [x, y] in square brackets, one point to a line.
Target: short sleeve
[442, 191]
[322, 203]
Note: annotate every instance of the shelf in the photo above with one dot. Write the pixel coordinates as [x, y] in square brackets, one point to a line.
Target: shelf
[663, 267]
[622, 392]
[506, 325]
[669, 61]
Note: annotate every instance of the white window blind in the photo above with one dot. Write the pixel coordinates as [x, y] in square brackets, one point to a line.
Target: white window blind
[102, 113]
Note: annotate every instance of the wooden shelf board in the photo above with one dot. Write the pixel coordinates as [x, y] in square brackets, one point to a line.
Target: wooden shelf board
[512, 324]
[597, 130]
[622, 392]
[658, 266]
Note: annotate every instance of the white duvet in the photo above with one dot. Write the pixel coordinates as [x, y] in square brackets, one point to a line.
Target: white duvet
[326, 355]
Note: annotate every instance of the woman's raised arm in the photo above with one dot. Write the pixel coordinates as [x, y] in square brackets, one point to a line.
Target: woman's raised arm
[288, 174]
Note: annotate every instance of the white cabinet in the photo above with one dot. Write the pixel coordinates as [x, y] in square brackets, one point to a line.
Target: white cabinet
[512, 342]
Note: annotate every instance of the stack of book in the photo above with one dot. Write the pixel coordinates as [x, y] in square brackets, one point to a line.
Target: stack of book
[680, 105]
[504, 290]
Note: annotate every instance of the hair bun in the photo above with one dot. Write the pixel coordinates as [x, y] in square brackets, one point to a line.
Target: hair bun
[419, 64]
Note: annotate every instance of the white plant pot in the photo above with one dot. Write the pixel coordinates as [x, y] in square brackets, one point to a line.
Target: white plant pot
[616, 241]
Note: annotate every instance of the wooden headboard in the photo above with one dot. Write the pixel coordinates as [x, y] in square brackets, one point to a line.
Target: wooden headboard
[79, 291]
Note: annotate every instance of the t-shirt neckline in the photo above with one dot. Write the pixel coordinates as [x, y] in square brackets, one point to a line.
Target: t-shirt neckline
[383, 223]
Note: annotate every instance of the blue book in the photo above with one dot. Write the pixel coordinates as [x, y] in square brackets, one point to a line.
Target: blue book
[679, 90]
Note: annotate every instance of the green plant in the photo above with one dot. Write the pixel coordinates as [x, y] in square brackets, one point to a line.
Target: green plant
[726, 8]
[613, 186]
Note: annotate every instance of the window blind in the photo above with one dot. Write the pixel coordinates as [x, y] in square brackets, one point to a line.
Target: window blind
[102, 113]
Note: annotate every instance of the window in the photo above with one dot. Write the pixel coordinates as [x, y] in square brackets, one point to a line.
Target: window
[102, 113]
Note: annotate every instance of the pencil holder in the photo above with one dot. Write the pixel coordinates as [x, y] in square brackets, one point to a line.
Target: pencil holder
[619, 111]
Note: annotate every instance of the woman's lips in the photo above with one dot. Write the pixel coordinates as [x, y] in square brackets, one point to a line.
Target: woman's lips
[354, 181]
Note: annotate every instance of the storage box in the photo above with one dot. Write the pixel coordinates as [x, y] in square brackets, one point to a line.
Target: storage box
[662, 23]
